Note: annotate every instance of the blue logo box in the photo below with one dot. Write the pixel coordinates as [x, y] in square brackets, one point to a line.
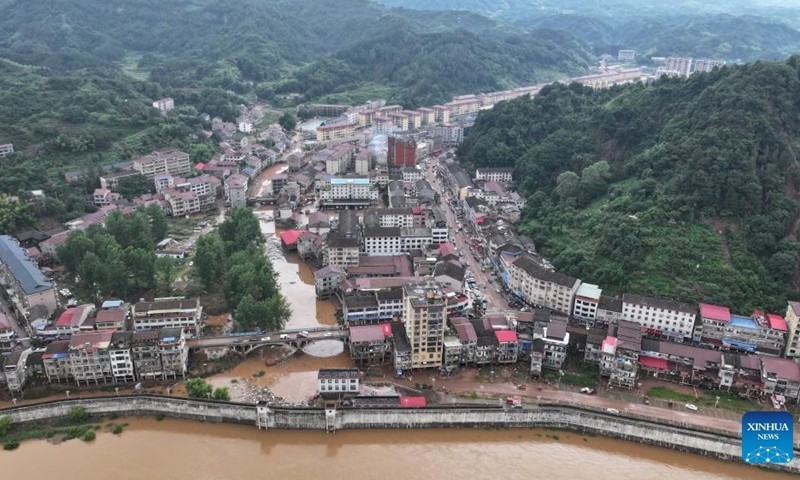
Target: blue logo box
[767, 437]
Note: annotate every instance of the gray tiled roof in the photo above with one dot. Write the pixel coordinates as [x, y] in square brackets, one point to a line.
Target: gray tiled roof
[27, 274]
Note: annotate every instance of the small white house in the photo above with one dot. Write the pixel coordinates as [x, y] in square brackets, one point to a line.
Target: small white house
[336, 381]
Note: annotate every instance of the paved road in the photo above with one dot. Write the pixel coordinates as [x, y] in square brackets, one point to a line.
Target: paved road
[461, 241]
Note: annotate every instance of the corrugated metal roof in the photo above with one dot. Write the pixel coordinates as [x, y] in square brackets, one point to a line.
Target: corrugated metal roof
[27, 274]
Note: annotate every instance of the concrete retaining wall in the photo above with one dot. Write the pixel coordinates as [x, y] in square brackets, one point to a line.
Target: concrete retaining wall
[707, 442]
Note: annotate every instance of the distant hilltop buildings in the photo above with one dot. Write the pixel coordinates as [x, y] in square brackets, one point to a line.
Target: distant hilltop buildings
[164, 105]
[6, 149]
[684, 66]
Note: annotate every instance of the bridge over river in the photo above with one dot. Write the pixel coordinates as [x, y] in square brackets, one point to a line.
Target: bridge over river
[247, 342]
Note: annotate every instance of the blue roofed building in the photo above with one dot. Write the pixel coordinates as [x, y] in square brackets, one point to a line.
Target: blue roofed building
[25, 283]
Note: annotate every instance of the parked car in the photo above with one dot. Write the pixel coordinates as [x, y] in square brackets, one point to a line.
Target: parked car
[612, 411]
[284, 336]
[328, 334]
[265, 339]
[588, 390]
[303, 334]
[691, 406]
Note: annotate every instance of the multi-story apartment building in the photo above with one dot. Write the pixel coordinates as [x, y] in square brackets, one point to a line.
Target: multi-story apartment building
[119, 350]
[793, 330]
[609, 310]
[717, 328]
[372, 307]
[6, 149]
[428, 116]
[619, 354]
[173, 353]
[15, 369]
[502, 175]
[371, 344]
[676, 66]
[587, 300]
[462, 106]
[326, 280]
[169, 312]
[556, 340]
[382, 241]
[349, 192]
[337, 160]
[628, 56]
[707, 64]
[659, 317]
[56, 360]
[394, 240]
[782, 376]
[425, 319]
[102, 196]
[336, 131]
[27, 284]
[538, 285]
[236, 190]
[145, 354]
[401, 152]
[389, 217]
[173, 162]
[90, 361]
[164, 105]
[710, 329]
[343, 242]
[414, 119]
[364, 161]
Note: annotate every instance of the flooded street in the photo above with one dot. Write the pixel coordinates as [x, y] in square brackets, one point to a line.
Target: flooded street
[177, 450]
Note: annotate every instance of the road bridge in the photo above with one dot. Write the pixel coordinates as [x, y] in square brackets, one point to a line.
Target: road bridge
[247, 342]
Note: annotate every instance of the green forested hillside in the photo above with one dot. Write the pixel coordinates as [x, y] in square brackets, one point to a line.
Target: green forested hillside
[428, 68]
[686, 188]
[743, 37]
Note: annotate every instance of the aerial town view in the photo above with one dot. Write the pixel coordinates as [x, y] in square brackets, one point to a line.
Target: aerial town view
[274, 237]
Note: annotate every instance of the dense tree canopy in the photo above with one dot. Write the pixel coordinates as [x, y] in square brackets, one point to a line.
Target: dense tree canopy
[232, 260]
[684, 188]
[118, 258]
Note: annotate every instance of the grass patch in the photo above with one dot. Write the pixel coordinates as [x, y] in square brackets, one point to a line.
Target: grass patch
[89, 436]
[159, 417]
[707, 399]
[116, 429]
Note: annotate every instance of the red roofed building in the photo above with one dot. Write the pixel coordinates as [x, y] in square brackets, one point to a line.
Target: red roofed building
[371, 344]
[776, 322]
[413, 402]
[713, 321]
[507, 346]
[289, 238]
[90, 358]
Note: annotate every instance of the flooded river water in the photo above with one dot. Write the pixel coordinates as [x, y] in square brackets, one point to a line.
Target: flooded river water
[176, 450]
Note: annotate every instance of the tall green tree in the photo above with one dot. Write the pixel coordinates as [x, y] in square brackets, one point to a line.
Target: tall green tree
[209, 260]
[287, 121]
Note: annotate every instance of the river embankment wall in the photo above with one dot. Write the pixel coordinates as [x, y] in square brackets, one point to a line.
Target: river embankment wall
[720, 444]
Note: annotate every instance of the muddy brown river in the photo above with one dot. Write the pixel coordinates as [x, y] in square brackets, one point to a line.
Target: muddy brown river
[176, 450]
